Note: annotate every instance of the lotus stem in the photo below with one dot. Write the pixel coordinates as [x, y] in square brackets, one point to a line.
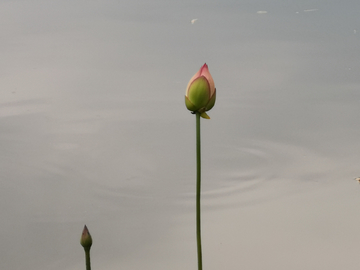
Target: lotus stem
[87, 259]
[198, 191]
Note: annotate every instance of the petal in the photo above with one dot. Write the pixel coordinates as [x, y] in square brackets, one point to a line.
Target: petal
[204, 71]
[199, 92]
[211, 102]
[204, 115]
[189, 105]
[193, 78]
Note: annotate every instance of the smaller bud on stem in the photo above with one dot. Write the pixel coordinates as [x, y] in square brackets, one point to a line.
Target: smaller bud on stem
[86, 242]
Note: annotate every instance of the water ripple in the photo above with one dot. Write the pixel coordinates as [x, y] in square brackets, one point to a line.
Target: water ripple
[257, 171]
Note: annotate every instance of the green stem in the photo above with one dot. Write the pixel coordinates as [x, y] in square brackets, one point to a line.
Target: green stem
[198, 189]
[87, 259]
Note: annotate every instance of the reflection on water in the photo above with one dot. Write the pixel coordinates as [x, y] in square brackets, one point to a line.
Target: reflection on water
[94, 130]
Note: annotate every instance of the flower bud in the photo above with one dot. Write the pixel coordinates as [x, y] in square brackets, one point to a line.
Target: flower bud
[86, 240]
[200, 93]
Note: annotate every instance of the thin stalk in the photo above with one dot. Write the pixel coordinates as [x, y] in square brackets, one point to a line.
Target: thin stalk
[198, 190]
[87, 259]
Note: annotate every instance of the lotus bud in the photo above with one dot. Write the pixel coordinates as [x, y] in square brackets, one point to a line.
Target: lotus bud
[200, 93]
[86, 240]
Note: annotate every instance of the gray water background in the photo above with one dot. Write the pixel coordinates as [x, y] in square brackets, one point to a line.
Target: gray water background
[94, 130]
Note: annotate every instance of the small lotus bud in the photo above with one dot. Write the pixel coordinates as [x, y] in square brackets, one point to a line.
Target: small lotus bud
[200, 93]
[86, 240]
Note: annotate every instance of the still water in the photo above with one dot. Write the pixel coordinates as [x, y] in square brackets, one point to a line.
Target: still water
[94, 130]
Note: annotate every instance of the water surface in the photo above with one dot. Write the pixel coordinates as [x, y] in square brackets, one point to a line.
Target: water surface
[94, 131]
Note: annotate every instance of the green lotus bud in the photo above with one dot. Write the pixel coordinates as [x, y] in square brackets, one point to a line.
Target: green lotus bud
[200, 93]
[86, 240]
